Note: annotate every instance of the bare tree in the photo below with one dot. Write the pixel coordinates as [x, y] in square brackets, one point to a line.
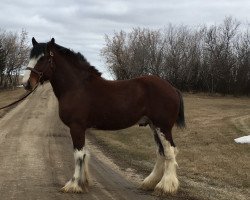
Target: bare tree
[2, 59]
[208, 59]
[116, 56]
[241, 70]
[137, 53]
[15, 52]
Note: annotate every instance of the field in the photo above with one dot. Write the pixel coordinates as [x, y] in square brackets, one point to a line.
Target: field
[211, 164]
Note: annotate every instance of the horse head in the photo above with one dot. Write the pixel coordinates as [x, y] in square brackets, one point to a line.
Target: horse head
[40, 67]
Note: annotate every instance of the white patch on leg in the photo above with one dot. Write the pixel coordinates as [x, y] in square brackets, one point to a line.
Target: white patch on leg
[80, 179]
[155, 176]
[169, 182]
[82, 172]
[86, 169]
[32, 64]
[78, 154]
[72, 186]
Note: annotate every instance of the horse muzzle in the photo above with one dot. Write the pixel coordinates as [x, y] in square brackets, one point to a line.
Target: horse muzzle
[27, 86]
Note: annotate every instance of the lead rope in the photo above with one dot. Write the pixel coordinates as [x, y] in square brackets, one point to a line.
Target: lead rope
[40, 74]
[28, 93]
[21, 99]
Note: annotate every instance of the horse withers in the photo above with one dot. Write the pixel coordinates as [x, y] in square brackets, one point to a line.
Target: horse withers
[86, 100]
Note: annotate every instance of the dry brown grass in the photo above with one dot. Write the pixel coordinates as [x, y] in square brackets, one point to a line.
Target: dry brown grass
[8, 96]
[211, 164]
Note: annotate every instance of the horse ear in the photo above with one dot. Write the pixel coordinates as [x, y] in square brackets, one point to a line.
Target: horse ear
[50, 45]
[52, 41]
[34, 42]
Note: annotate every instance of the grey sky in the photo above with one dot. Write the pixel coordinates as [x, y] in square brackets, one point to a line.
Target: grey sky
[81, 25]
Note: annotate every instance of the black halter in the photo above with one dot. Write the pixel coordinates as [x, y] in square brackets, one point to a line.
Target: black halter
[40, 74]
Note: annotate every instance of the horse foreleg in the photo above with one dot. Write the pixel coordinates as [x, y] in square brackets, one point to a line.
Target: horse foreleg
[80, 180]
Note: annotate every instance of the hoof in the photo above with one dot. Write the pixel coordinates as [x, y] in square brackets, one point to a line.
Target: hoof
[168, 186]
[148, 184]
[74, 187]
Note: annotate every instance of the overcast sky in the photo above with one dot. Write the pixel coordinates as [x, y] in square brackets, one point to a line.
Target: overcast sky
[81, 25]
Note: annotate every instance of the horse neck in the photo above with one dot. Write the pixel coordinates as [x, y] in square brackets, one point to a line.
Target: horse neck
[66, 77]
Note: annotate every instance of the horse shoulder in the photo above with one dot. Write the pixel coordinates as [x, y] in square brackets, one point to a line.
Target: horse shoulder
[73, 106]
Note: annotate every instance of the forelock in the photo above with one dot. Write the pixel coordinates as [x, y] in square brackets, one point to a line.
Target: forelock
[37, 50]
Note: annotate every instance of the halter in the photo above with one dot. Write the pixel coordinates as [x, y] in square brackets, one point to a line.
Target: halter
[40, 75]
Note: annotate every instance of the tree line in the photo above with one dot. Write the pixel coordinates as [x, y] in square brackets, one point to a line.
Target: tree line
[214, 59]
[14, 53]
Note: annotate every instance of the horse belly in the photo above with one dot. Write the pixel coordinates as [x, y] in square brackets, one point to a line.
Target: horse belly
[116, 122]
[118, 108]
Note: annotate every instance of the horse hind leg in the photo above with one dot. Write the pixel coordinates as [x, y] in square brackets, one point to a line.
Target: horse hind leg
[169, 182]
[155, 176]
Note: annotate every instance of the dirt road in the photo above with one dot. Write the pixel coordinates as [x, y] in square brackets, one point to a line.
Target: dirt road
[36, 156]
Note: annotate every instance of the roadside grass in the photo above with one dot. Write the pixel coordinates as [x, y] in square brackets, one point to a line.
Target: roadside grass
[7, 97]
[208, 156]
[132, 147]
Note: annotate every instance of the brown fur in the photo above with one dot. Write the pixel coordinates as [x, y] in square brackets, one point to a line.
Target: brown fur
[86, 100]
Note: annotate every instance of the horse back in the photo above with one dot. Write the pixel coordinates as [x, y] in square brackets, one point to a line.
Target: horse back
[114, 105]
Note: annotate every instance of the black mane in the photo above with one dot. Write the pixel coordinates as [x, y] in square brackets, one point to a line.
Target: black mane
[80, 57]
[40, 48]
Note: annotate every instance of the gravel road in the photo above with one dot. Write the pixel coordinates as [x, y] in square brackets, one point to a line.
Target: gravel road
[36, 156]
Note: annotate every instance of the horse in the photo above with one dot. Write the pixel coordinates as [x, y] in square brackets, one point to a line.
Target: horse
[87, 100]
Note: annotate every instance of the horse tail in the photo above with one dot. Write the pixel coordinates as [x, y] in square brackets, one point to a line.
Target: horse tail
[180, 122]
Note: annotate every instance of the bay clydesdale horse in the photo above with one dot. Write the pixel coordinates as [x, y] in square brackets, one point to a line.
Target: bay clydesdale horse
[86, 100]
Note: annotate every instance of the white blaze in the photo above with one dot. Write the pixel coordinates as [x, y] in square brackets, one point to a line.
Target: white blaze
[32, 64]
[83, 155]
